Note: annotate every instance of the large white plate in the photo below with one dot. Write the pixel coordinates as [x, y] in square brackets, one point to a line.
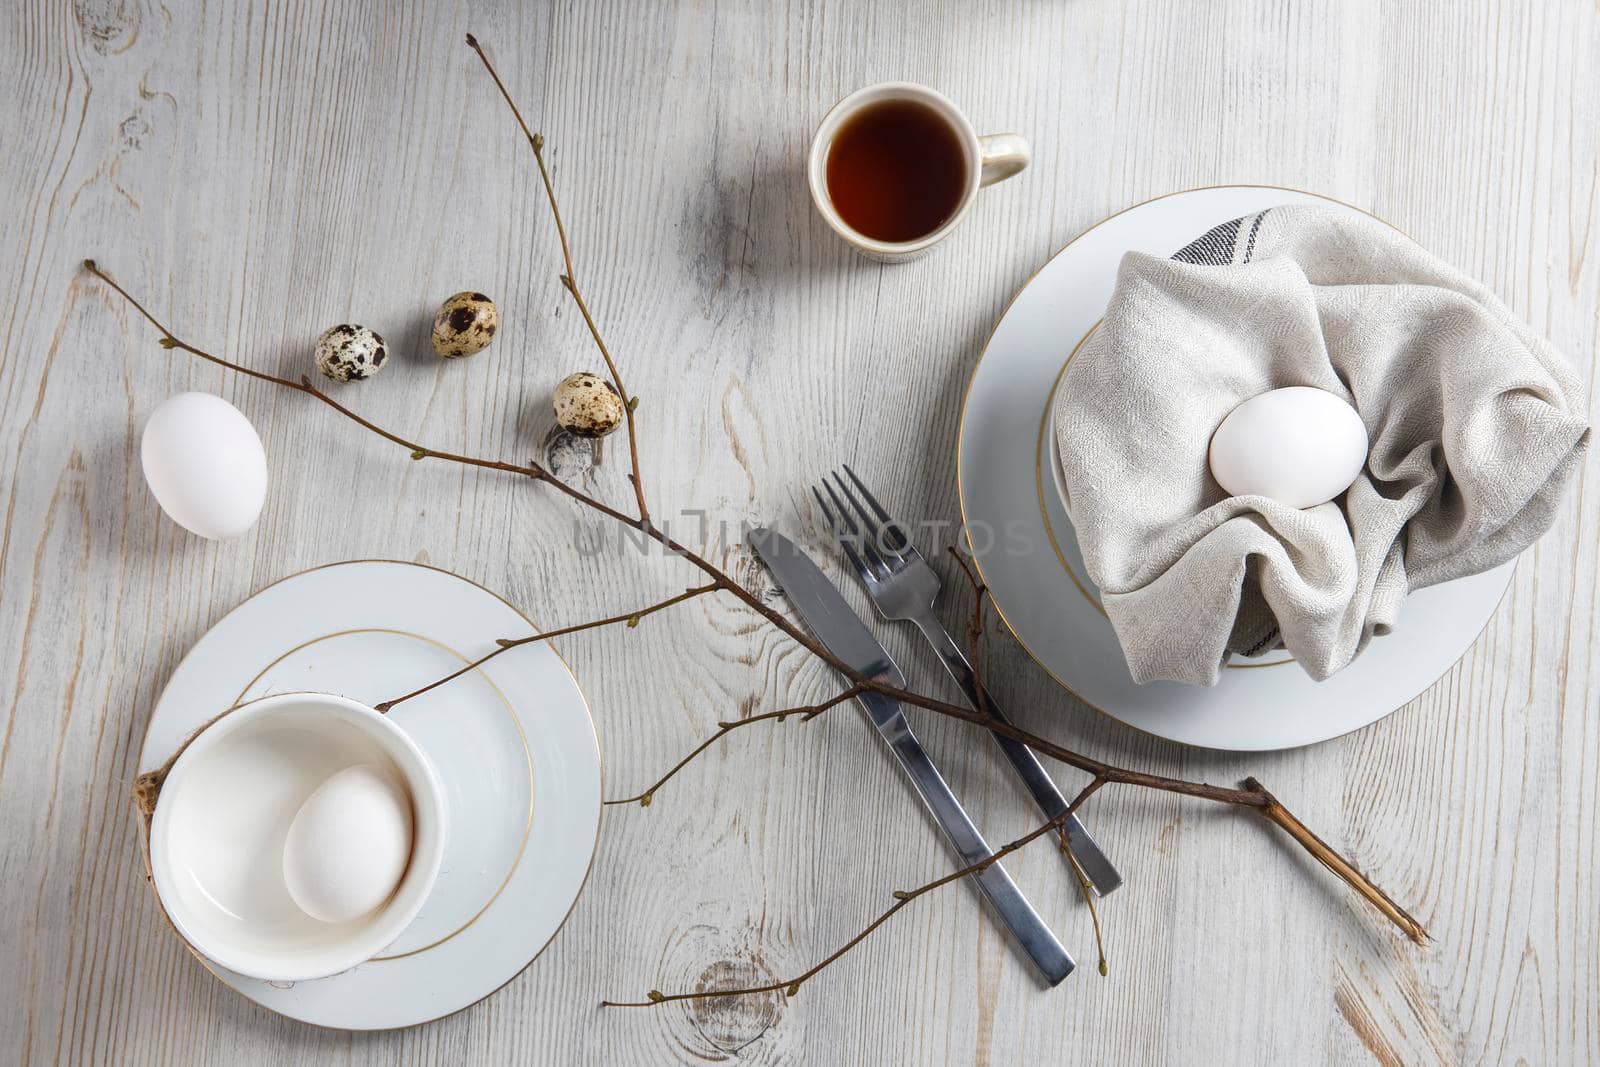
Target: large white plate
[512, 741]
[1026, 552]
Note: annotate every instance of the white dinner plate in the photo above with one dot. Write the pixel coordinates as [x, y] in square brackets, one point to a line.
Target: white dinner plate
[1025, 549]
[512, 741]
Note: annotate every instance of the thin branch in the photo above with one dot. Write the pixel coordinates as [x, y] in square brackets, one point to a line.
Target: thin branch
[570, 281]
[1256, 798]
[975, 645]
[806, 712]
[1087, 889]
[711, 570]
[170, 341]
[1246, 798]
[418, 451]
[975, 652]
[975, 632]
[506, 644]
[1324, 853]
[902, 897]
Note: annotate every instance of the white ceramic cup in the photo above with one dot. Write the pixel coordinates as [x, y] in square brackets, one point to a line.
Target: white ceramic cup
[988, 159]
[217, 835]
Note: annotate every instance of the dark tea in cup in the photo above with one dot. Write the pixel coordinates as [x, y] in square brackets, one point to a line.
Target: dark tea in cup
[896, 170]
[895, 167]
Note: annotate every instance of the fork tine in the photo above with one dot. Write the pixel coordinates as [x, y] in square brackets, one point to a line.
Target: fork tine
[840, 536]
[884, 517]
[874, 535]
[865, 542]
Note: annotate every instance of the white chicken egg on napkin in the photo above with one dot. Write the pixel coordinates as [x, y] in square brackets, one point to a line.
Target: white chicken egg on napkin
[204, 462]
[1299, 446]
[1208, 437]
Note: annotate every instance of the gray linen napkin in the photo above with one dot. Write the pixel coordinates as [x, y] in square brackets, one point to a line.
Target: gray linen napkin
[1476, 427]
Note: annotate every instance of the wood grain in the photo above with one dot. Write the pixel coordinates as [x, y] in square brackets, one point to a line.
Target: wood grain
[263, 171]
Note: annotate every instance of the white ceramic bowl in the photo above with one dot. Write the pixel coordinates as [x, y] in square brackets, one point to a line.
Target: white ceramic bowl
[216, 840]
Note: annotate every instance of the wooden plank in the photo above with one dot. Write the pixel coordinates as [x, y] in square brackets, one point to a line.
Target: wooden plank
[262, 171]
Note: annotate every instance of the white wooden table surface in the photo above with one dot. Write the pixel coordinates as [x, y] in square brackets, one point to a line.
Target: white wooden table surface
[261, 171]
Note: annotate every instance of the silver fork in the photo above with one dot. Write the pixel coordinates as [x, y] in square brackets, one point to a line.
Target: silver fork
[903, 587]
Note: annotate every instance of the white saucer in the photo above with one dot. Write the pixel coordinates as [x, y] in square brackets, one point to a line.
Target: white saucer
[512, 741]
[1026, 552]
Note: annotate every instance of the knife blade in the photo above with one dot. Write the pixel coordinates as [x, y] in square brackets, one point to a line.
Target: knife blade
[836, 625]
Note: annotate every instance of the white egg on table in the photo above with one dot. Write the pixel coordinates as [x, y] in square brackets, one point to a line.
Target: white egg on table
[205, 465]
[348, 845]
[1299, 445]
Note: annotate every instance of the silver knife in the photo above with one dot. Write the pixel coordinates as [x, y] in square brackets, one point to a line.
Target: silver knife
[840, 629]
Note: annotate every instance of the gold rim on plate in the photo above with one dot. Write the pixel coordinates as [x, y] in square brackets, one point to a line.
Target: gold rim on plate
[594, 847]
[511, 714]
[966, 398]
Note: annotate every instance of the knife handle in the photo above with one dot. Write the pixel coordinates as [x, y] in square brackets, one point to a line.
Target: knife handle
[1025, 925]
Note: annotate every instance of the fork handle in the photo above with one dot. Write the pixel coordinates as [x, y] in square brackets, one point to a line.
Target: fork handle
[1101, 874]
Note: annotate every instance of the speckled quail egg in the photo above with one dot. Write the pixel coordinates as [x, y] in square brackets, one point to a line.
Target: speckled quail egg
[349, 353]
[588, 405]
[464, 325]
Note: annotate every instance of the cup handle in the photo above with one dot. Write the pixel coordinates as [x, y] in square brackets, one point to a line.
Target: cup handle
[1003, 154]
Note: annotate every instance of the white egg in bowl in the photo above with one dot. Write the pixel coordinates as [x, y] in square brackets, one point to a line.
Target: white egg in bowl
[297, 836]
